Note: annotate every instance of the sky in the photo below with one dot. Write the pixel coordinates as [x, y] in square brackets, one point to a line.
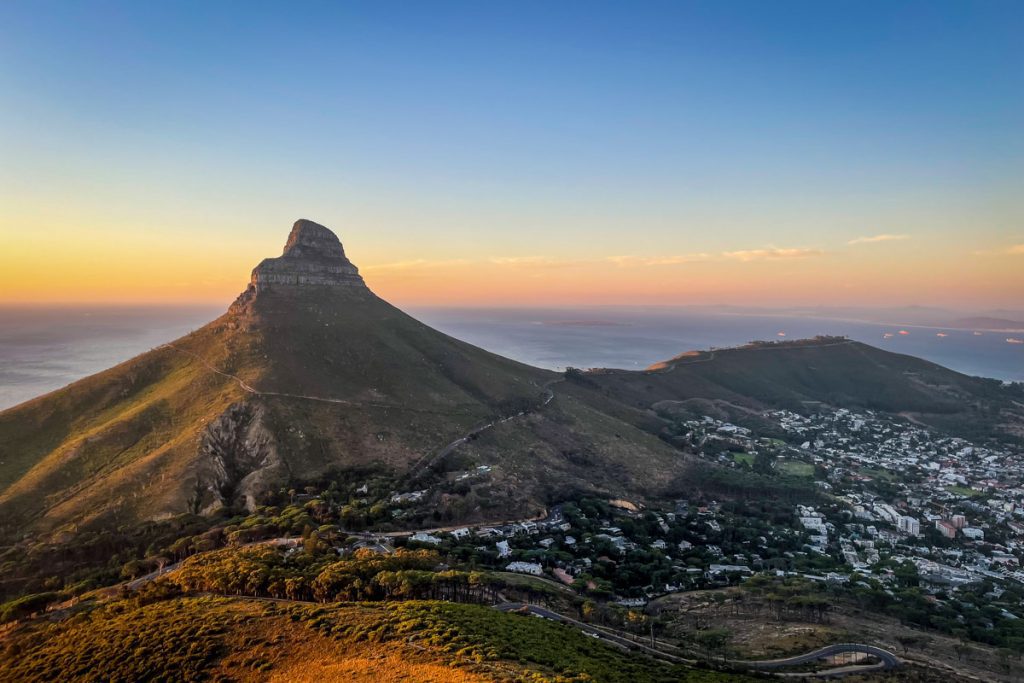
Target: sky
[526, 153]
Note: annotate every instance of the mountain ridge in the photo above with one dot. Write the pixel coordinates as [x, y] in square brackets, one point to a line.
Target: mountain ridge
[310, 376]
[307, 372]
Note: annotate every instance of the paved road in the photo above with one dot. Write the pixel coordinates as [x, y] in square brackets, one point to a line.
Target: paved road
[137, 583]
[445, 529]
[619, 641]
[887, 660]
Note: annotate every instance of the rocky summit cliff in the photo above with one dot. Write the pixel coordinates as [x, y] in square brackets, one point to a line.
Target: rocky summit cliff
[313, 257]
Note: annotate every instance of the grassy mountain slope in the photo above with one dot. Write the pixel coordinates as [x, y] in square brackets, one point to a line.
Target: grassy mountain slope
[576, 447]
[340, 380]
[114, 442]
[359, 347]
[246, 639]
[798, 375]
[298, 382]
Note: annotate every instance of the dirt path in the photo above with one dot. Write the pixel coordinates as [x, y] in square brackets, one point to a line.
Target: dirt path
[421, 466]
[322, 399]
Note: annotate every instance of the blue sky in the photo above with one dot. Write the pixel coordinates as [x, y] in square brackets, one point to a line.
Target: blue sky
[476, 131]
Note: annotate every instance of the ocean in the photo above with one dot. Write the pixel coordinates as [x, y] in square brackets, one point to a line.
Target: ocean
[45, 348]
[634, 338]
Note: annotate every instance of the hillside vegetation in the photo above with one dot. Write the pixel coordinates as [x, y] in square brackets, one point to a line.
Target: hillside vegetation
[243, 639]
[327, 389]
[834, 371]
[113, 447]
[342, 381]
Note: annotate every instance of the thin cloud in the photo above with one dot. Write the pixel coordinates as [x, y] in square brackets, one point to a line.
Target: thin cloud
[631, 261]
[533, 261]
[771, 254]
[1012, 250]
[415, 264]
[622, 261]
[643, 261]
[878, 238]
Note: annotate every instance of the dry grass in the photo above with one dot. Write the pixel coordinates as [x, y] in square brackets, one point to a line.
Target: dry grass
[279, 650]
[377, 664]
[756, 637]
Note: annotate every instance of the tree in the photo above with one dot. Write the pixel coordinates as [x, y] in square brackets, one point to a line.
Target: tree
[907, 642]
[132, 569]
[636, 620]
[295, 588]
[764, 463]
[312, 543]
[713, 640]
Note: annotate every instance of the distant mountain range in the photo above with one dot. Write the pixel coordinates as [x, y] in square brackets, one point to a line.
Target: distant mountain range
[310, 376]
[983, 323]
[926, 316]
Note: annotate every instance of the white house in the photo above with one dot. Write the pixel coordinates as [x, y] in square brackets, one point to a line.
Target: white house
[525, 568]
[424, 537]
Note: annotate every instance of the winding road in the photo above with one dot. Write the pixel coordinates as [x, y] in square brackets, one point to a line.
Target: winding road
[887, 660]
[602, 634]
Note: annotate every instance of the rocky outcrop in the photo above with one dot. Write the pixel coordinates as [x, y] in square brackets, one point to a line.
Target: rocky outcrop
[238, 459]
[313, 257]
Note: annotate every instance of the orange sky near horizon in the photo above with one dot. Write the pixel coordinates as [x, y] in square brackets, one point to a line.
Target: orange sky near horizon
[517, 154]
[125, 267]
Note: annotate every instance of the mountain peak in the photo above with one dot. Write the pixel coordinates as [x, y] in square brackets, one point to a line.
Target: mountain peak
[313, 258]
[312, 240]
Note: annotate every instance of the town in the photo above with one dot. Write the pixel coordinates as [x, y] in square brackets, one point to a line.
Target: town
[889, 504]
